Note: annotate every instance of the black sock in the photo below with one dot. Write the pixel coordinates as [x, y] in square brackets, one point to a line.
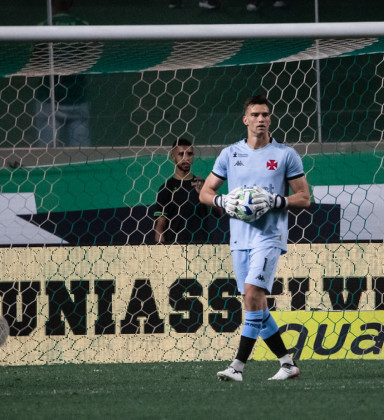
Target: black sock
[245, 348]
[276, 345]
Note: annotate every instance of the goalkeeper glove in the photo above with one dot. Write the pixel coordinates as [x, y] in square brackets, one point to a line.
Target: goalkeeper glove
[228, 201]
[265, 201]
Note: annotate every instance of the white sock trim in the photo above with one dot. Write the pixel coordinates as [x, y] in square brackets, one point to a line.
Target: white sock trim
[286, 359]
[238, 365]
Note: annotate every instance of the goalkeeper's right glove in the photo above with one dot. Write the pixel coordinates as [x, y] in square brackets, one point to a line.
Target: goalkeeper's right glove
[228, 201]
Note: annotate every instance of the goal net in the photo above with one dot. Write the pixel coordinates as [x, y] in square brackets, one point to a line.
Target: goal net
[85, 136]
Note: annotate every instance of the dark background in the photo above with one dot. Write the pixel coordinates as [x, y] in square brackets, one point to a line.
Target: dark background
[156, 12]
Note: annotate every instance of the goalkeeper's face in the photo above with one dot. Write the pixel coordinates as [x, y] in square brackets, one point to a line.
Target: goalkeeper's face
[183, 157]
[257, 118]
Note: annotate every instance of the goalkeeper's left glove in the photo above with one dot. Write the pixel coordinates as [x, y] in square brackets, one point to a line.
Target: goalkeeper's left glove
[264, 200]
[228, 201]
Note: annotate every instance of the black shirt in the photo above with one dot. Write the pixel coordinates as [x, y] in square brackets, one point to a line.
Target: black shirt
[178, 201]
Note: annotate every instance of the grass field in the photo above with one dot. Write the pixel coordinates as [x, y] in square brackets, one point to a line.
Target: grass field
[325, 389]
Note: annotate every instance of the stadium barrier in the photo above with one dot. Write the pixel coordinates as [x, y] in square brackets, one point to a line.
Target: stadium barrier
[180, 303]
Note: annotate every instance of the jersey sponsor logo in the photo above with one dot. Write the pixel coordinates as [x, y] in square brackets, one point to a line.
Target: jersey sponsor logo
[270, 188]
[239, 163]
[240, 155]
[272, 164]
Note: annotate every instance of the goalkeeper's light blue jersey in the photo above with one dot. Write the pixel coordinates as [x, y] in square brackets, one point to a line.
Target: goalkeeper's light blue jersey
[270, 167]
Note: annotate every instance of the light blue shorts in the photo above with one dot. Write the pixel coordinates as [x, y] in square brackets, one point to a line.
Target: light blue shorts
[255, 266]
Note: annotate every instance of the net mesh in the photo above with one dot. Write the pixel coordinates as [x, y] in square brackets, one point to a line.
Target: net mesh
[82, 278]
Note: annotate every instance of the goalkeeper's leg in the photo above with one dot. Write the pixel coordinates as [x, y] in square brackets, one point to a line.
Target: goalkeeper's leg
[272, 338]
[255, 272]
[252, 324]
[251, 330]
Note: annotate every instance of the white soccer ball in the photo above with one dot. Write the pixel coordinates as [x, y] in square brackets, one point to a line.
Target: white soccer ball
[4, 330]
[245, 210]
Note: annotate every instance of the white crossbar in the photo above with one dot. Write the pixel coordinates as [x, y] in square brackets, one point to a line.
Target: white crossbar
[189, 32]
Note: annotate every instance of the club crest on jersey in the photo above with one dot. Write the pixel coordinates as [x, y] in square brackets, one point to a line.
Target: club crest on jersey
[272, 164]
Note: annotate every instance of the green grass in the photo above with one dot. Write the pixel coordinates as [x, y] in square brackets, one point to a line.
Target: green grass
[325, 389]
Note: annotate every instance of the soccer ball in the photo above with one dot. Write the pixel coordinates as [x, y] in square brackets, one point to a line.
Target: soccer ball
[245, 210]
[4, 330]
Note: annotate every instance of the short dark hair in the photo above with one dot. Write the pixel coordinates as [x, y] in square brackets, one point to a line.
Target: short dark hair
[181, 142]
[256, 100]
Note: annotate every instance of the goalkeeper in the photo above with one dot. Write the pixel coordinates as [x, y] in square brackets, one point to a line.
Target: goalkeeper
[260, 163]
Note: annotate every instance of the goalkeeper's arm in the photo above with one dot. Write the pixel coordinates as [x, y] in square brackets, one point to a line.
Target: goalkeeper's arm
[209, 196]
[301, 196]
[208, 192]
